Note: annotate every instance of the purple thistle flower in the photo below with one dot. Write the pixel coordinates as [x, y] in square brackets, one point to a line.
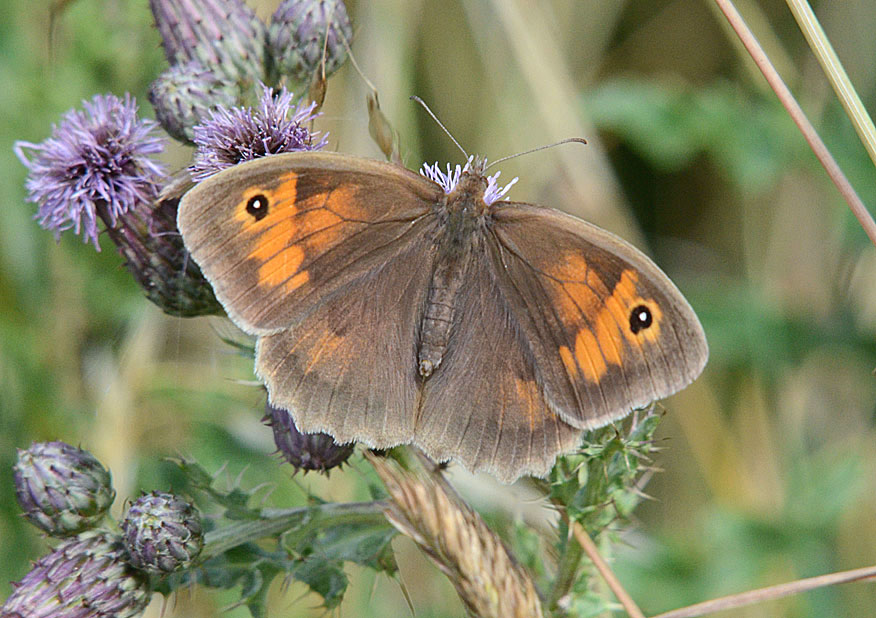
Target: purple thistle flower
[96, 164]
[449, 179]
[494, 192]
[232, 135]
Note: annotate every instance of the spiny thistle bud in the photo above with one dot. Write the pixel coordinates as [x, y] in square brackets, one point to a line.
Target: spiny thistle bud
[302, 31]
[62, 489]
[162, 533]
[305, 451]
[224, 35]
[84, 577]
[183, 95]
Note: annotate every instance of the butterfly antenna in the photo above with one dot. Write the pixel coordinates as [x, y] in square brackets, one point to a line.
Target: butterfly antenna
[440, 124]
[568, 140]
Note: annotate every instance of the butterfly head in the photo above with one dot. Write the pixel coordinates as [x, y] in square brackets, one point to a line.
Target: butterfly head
[468, 181]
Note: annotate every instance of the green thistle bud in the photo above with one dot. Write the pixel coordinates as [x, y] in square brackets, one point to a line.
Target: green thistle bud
[184, 94]
[225, 35]
[301, 30]
[162, 533]
[62, 489]
[155, 255]
[86, 576]
[305, 451]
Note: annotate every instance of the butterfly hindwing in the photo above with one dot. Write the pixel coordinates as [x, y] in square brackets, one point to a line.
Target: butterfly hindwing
[485, 405]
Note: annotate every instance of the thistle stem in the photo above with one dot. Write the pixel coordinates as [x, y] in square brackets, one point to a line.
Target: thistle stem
[567, 569]
[276, 521]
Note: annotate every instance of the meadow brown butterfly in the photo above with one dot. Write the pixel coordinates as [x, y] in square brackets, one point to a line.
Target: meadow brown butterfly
[389, 311]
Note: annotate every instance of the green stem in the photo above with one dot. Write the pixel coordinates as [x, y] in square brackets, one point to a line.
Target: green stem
[277, 521]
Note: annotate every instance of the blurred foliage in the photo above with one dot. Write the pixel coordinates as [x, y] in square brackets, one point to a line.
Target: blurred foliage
[767, 460]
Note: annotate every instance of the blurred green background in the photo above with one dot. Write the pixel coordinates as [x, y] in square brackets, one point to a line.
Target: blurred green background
[768, 467]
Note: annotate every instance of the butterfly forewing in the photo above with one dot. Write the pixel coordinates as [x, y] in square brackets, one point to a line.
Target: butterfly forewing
[279, 235]
[610, 332]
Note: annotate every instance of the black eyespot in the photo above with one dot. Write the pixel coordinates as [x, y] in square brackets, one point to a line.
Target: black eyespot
[257, 206]
[640, 319]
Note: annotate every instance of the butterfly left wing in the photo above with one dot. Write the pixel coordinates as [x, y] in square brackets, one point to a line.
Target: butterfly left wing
[326, 258]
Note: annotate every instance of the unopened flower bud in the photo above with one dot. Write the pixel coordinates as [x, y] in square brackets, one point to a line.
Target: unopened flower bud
[163, 533]
[302, 32]
[86, 576]
[305, 451]
[62, 489]
[183, 95]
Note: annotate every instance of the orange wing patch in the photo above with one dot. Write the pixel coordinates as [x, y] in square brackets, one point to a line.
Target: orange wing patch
[601, 318]
[293, 229]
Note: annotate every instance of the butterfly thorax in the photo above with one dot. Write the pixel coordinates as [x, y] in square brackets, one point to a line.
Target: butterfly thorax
[462, 217]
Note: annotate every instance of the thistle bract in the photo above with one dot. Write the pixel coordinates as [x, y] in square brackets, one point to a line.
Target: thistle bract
[61, 489]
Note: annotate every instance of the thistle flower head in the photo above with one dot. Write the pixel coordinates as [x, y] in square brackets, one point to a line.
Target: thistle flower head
[162, 533]
[62, 489]
[305, 451]
[232, 135]
[449, 179]
[302, 32]
[86, 576]
[96, 164]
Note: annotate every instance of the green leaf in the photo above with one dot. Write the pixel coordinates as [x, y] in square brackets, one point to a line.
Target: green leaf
[366, 543]
[324, 577]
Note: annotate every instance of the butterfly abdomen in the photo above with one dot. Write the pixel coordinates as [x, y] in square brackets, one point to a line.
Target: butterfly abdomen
[455, 245]
[438, 315]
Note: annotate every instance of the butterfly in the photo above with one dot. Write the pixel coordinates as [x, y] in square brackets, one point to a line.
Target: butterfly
[390, 309]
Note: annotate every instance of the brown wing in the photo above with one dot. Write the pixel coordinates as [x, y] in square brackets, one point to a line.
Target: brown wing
[608, 330]
[278, 236]
[485, 406]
